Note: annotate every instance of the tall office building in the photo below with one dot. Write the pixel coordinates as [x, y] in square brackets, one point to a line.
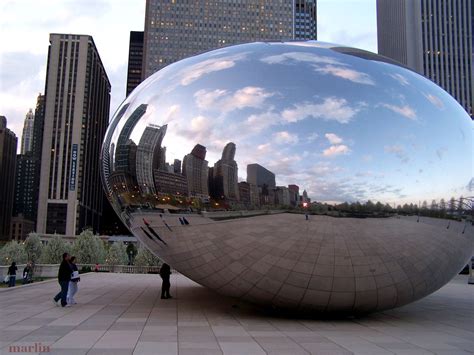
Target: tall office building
[135, 60]
[177, 29]
[76, 117]
[149, 157]
[434, 38]
[28, 169]
[8, 145]
[225, 175]
[259, 176]
[195, 168]
[27, 136]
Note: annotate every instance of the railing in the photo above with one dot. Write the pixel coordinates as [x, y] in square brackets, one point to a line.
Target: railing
[125, 269]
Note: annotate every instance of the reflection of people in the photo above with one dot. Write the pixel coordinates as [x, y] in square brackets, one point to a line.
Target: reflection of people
[64, 276]
[72, 289]
[165, 272]
[12, 274]
[307, 216]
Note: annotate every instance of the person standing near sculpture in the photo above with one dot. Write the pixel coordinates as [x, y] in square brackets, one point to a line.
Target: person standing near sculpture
[72, 289]
[64, 276]
[12, 274]
[27, 274]
[165, 272]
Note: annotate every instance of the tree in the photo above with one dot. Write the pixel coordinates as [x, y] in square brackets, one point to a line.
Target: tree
[13, 251]
[88, 248]
[146, 258]
[33, 247]
[117, 254]
[54, 250]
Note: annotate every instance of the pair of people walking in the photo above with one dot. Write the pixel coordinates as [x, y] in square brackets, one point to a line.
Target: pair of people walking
[68, 277]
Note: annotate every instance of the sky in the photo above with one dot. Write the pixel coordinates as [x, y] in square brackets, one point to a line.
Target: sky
[341, 127]
[24, 38]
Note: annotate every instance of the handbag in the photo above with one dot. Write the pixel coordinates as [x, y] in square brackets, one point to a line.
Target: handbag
[6, 279]
[75, 275]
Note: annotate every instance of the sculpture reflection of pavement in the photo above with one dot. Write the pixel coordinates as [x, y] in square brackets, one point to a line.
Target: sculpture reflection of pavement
[324, 264]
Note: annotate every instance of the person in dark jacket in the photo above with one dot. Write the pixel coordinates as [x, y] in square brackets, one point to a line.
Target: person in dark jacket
[12, 273]
[165, 272]
[64, 276]
[27, 274]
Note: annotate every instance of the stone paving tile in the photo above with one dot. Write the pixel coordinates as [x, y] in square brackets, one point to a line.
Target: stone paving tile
[123, 314]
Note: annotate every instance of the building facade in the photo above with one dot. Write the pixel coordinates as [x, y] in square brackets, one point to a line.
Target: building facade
[8, 145]
[225, 175]
[178, 29]
[434, 38]
[148, 158]
[21, 227]
[135, 60]
[76, 117]
[195, 168]
[27, 135]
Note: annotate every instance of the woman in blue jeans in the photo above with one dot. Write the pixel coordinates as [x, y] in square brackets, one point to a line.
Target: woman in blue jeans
[12, 274]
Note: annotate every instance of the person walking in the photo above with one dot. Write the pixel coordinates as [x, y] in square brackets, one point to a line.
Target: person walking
[12, 274]
[72, 289]
[64, 276]
[165, 272]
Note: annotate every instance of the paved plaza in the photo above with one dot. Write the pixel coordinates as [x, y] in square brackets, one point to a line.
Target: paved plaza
[123, 314]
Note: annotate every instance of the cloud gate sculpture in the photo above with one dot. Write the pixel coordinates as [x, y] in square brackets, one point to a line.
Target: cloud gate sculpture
[272, 172]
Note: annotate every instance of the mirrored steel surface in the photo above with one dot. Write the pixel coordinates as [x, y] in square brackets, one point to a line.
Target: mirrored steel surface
[213, 162]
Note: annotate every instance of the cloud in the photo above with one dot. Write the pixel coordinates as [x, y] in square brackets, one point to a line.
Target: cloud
[285, 137]
[335, 150]
[398, 151]
[191, 73]
[331, 109]
[223, 101]
[286, 58]
[333, 138]
[347, 74]
[405, 110]
[402, 80]
[440, 152]
[257, 122]
[435, 100]
[312, 137]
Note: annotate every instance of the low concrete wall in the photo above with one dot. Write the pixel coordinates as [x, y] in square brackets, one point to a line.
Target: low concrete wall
[41, 270]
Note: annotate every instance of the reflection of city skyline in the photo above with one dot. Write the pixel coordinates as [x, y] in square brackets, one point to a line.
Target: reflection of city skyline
[143, 170]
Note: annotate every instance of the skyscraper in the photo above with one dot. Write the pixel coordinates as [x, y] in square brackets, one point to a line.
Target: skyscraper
[27, 136]
[175, 29]
[226, 174]
[259, 176]
[195, 168]
[8, 144]
[434, 38]
[135, 60]
[76, 117]
[149, 157]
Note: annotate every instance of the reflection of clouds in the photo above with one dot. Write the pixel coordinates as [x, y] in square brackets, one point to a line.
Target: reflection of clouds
[404, 110]
[402, 80]
[285, 137]
[193, 72]
[300, 57]
[258, 122]
[331, 109]
[347, 74]
[398, 151]
[322, 64]
[440, 152]
[221, 100]
[333, 138]
[334, 150]
[435, 100]
[312, 137]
